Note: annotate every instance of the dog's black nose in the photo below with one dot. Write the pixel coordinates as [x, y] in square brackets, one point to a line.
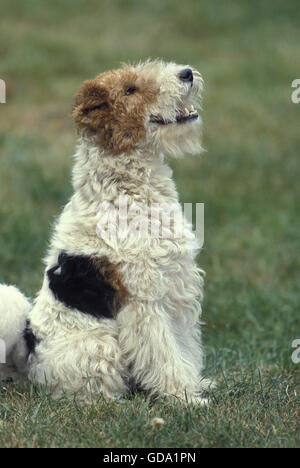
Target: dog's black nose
[186, 75]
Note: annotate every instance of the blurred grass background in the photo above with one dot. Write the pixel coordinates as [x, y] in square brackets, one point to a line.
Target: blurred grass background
[248, 53]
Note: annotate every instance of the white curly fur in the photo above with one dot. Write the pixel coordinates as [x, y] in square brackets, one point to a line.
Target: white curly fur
[155, 339]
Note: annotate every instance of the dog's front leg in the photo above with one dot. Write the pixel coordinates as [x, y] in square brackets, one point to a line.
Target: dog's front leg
[153, 356]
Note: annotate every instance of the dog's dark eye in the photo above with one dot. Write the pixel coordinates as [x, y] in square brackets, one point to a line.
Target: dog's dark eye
[131, 90]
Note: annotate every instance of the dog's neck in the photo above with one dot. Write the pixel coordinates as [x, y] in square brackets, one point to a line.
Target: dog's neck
[95, 170]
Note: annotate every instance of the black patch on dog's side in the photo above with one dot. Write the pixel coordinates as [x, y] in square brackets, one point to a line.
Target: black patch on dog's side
[30, 339]
[78, 284]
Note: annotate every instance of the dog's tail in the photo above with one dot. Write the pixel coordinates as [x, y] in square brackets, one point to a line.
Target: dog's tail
[14, 311]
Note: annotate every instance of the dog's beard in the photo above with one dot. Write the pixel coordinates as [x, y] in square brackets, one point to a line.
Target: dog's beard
[176, 140]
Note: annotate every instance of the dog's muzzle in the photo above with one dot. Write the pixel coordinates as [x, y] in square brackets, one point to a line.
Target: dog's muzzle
[182, 116]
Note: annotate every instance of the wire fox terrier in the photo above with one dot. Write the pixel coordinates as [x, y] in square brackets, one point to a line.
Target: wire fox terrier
[121, 312]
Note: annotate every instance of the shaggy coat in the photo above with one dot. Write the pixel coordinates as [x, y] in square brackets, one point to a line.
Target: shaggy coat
[120, 312]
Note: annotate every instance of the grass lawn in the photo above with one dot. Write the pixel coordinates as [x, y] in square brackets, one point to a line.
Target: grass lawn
[248, 53]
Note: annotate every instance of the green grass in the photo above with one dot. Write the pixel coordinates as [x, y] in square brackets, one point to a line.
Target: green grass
[248, 179]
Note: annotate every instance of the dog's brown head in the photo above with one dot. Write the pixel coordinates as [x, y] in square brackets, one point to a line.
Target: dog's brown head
[140, 105]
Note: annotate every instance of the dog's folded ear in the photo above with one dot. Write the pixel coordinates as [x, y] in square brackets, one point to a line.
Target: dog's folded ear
[90, 105]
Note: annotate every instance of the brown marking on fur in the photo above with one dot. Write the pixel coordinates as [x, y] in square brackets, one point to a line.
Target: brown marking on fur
[107, 107]
[112, 275]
